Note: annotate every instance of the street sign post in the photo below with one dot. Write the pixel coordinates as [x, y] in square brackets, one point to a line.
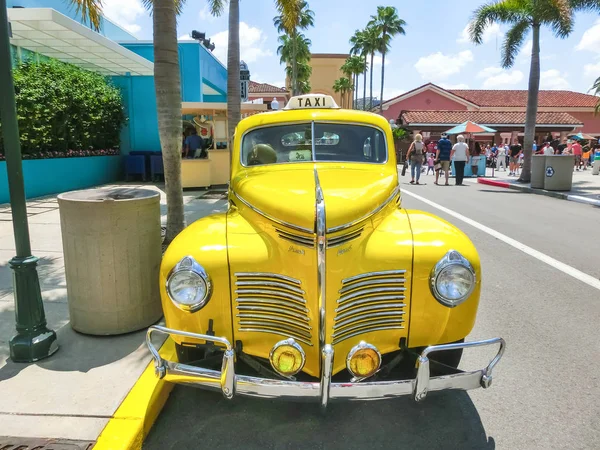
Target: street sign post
[33, 341]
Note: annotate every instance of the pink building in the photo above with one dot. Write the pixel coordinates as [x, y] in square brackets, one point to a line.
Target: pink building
[431, 109]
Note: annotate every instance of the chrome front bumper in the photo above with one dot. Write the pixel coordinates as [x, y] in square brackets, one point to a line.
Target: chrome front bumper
[231, 384]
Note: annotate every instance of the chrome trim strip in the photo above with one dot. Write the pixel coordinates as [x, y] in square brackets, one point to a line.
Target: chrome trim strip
[341, 240]
[375, 290]
[373, 274]
[370, 316]
[384, 298]
[267, 275]
[369, 308]
[365, 327]
[321, 228]
[327, 355]
[273, 293]
[244, 317]
[273, 284]
[395, 192]
[371, 283]
[271, 310]
[270, 217]
[278, 333]
[230, 383]
[273, 302]
[358, 333]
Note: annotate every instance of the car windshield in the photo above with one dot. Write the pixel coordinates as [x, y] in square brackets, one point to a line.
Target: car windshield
[332, 142]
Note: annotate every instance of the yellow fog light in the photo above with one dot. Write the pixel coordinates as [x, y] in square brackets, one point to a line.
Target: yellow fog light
[287, 357]
[363, 360]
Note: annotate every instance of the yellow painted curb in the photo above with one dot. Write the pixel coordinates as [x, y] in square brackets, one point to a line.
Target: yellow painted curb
[133, 420]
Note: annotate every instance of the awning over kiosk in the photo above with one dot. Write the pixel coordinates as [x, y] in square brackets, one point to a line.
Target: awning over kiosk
[50, 33]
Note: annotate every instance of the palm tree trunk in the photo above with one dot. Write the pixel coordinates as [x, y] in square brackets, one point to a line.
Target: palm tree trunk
[371, 88]
[167, 84]
[294, 67]
[233, 71]
[364, 105]
[532, 105]
[382, 80]
[356, 78]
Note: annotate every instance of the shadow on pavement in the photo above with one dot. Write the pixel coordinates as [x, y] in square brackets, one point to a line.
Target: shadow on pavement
[79, 352]
[194, 418]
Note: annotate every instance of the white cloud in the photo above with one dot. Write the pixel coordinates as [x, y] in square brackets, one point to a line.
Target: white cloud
[124, 13]
[553, 79]
[185, 37]
[437, 66]
[490, 33]
[591, 70]
[252, 42]
[590, 40]
[454, 86]
[391, 92]
[496, 77]
[377, 61]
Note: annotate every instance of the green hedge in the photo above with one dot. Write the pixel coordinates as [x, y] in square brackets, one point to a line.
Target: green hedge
[62, 107]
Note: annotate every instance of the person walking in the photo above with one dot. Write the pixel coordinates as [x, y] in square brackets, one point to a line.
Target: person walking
[501, 158]
[415, 155]
[475, 159]
[460, 155]
[586, 158]
[515, 153]
[430, 164]
[442, 157]
[548, 150]
[578, 152]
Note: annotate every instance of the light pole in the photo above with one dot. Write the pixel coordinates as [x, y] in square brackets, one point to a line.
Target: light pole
[33, 340]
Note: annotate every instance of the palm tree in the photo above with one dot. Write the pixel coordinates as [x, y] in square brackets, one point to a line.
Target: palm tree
[523, 16]
[357, 66]
[293, 15]
[343, 85]
[303, 69]
[372, 44]
[388, 24]
[359, 48]
[90, 10]
[596, 87]
[294, 52]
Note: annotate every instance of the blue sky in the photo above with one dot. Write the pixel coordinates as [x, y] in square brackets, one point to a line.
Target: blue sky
[434, 49]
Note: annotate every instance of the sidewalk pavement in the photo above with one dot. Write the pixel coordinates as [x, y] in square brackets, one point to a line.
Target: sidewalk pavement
[74, 393]
[585, 189]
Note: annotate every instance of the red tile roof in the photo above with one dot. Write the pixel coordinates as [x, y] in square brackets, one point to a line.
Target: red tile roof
[264, 88]
[486, 117]
[510, 98]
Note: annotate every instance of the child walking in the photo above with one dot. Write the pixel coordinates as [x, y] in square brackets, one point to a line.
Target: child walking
[430, 164]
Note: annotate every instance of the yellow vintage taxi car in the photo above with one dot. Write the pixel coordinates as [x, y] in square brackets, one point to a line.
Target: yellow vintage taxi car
[316, 282]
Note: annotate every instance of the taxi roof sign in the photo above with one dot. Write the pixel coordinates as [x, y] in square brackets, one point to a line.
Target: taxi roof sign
[312, 101]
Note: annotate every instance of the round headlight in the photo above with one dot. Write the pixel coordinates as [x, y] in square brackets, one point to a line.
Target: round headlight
[364, 360]
[452, 279]
[287, 357]
[188, 285]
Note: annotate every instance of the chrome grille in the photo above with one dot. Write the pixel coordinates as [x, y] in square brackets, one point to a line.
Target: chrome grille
[295, 237]
[370, 302]
[309, 240]
[341, 239]
[272, 303]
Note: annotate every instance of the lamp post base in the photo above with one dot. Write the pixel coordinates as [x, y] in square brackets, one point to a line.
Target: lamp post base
[33, 341]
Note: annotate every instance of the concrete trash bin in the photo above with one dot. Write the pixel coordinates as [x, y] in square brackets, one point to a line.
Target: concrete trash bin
[596, 163]
[558, 174]
[112, 249]
[538, 167]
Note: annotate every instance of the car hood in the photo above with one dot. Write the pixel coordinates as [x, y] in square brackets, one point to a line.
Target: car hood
[289, 195]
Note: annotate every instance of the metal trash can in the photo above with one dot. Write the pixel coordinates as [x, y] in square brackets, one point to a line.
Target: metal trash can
[538, 166]
[596, 163]
[558, 174]
[112, 249]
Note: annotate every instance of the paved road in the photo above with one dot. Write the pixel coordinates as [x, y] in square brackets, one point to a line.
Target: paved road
[546, 392]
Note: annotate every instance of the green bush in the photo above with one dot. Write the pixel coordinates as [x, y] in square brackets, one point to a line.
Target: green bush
[62, 107]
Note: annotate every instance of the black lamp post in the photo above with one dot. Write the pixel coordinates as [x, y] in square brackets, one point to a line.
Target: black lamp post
[33, 340]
